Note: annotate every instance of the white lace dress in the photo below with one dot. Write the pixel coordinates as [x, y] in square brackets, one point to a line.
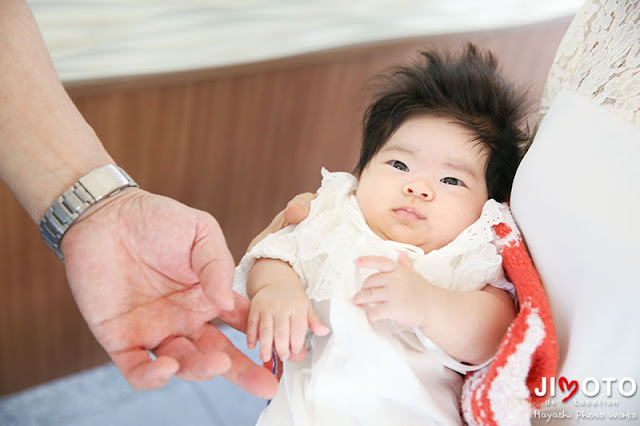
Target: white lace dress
[576, 199]
[363, 374]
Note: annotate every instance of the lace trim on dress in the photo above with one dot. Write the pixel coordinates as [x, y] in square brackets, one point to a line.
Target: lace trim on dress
[599, 58]
[481, 230]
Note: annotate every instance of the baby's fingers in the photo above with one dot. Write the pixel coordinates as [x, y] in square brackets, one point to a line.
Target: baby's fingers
[298, 331]
[381, 279]
[297, 357]
[252, 328]
[266, 336]
[379, 263]
[370, 295]
[315, 323]
[379, 312]
[282, 336]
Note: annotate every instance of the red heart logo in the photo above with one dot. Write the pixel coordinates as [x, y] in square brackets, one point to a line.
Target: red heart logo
[572, 387]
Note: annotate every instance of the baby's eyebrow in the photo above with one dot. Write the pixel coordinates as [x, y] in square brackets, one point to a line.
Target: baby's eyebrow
[461, 166]
[397, 148]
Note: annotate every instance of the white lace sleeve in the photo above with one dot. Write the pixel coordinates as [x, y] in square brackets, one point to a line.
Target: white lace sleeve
[599, 58]
[282, 245]
[299, 245]
[479, 263]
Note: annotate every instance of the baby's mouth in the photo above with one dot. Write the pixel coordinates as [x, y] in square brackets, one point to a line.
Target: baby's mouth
[409, 212]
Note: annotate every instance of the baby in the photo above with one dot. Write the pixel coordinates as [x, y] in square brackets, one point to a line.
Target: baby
[395, 273]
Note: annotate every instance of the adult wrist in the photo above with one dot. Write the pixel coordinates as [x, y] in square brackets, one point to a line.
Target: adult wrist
[95, 186]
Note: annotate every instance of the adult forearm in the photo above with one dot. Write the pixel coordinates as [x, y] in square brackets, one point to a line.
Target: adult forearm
[45, 144]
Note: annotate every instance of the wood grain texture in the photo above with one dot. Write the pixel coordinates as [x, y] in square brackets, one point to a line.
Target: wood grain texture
[236, 142]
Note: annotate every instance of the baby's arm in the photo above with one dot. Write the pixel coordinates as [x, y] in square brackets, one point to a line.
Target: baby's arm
[469, 326]
[280, 310]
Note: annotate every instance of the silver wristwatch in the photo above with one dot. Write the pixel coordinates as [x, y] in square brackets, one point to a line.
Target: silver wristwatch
[88, 190]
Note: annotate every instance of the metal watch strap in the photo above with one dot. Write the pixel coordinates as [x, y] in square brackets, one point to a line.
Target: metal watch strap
[88, 190]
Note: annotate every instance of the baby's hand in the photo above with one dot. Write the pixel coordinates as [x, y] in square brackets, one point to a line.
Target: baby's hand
[279, 316]
[397, 292]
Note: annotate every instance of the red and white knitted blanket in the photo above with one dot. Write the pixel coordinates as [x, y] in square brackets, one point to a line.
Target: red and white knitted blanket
[502, 393]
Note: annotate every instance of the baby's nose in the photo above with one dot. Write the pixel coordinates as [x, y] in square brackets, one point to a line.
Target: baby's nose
[418, 189]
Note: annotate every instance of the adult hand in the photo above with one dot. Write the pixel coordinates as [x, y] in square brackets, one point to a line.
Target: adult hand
[149, 273]
[297, 209]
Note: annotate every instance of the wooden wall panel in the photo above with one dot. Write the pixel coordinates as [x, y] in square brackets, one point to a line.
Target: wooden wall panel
[238, 142]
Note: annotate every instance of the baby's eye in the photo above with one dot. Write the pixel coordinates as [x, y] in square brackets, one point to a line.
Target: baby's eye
[399, 165]
[452, 181]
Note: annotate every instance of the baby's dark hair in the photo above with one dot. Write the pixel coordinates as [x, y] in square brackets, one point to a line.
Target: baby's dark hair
[469, 90]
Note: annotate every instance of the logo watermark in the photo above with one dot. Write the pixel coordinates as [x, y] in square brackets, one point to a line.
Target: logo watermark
[592, 399]
[579, 415]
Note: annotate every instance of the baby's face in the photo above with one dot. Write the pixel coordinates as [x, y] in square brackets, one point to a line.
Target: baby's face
[425, 185]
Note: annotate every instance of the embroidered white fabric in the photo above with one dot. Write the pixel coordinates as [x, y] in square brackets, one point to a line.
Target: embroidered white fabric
[493, 213]
[599, 58]
[469, 262]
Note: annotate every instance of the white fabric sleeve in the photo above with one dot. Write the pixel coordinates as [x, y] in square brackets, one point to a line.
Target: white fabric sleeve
[483, 263]
[282, 245]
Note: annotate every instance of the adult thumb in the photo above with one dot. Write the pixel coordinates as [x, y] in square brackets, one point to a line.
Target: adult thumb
[213, 263]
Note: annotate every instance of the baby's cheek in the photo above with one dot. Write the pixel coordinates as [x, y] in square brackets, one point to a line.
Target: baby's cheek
[363, 198]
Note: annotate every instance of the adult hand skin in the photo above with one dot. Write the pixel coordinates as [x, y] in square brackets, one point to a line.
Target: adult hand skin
[296, 211]
[150, 273]
[147, 272]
